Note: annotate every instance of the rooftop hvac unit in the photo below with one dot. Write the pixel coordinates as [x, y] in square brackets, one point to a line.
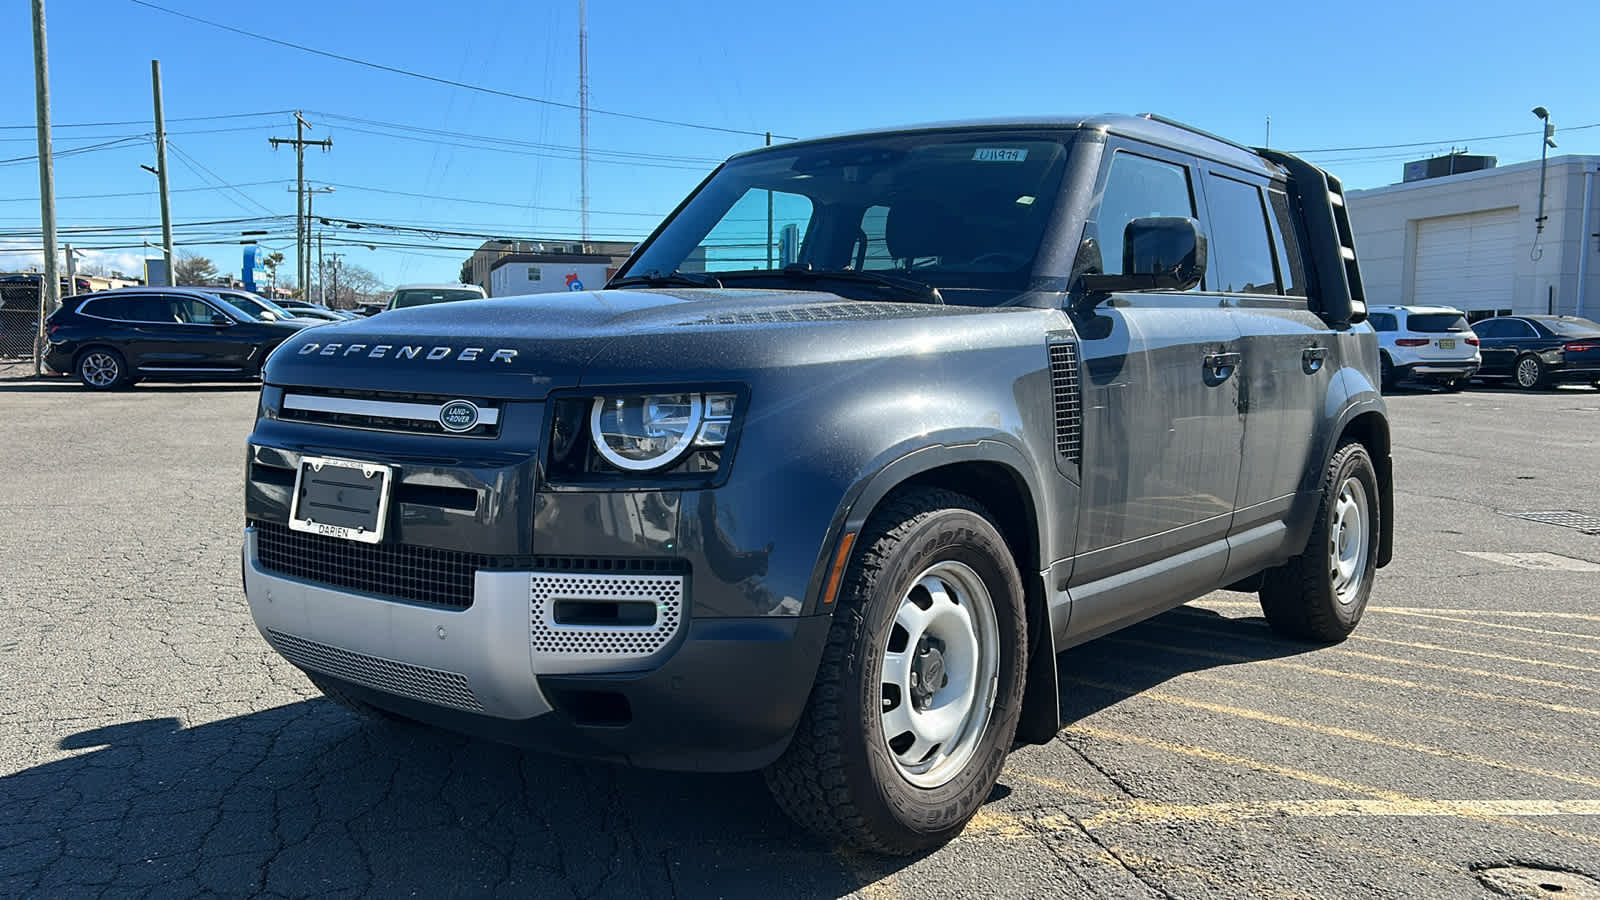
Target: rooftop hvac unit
[1449, 164]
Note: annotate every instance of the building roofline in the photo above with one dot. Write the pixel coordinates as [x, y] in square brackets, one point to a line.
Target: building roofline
[1570, 160]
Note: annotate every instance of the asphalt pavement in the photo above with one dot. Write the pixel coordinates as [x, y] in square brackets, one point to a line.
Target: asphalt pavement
[151, 744]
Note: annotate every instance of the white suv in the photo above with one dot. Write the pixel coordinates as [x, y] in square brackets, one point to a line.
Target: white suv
[1425, 343]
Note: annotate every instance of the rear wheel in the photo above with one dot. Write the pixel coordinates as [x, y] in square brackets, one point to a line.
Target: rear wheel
[102, 369]
[1531, 373]
[916, 700]
[1321, 594]
[1387, 382]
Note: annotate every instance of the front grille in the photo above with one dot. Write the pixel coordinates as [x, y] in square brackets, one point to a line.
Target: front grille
[393, 571]
[416, 682]
[410, 412]
[1068, 400]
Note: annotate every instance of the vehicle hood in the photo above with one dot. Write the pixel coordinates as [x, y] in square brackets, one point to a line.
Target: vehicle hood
[519, 347]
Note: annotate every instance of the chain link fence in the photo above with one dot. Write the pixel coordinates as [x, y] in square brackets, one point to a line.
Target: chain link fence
[19, 321]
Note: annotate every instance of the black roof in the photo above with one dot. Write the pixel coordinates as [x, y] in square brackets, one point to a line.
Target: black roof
[1147, 127]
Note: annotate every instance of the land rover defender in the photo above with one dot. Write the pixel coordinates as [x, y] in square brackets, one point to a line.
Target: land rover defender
[863, 435]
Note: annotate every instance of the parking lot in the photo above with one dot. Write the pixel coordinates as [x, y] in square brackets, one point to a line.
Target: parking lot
[150, 743]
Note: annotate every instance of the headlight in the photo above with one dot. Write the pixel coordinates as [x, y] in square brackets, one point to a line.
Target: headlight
[644, 432]
[271, 402]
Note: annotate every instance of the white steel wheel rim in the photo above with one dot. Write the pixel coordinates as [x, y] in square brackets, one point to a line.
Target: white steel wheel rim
[935, 713]
[99, 369]
[1528, 372]
[1349, 540]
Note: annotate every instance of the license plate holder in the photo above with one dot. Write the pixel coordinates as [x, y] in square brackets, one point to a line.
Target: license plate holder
[341, 498]
[1447, 344]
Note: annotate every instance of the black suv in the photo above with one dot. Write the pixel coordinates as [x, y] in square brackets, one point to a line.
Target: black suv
[861, 437]
[116, 338]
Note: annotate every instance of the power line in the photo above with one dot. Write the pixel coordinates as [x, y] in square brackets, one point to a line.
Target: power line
[241, 184]
[450, 82]
[516, 152]
[74, 151]
[1489, 137]
[357, 187]
[223, 188]
[275, 112]
[515, 142]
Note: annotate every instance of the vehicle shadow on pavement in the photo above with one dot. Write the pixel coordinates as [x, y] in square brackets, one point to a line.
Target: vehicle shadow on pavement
[1103, 672]
[305, 800]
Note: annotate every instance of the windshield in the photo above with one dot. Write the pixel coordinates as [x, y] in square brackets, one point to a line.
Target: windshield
[243, 304]
[1572, 327]
[963, 212]
[422, 297]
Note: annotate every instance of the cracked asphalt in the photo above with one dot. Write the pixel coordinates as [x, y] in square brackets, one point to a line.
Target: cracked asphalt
[151, 745]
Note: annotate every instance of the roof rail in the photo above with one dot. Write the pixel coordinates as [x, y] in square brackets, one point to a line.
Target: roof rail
[1157, 117]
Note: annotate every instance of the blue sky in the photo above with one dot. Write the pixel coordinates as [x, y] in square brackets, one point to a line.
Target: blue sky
[1358, 74]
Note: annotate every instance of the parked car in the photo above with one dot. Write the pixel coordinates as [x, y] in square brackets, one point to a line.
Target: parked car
[1536, 352]
[1003, 388]
[425, 294]
[300, 309]
[258, 307]
[1425, 343]
[117, 338]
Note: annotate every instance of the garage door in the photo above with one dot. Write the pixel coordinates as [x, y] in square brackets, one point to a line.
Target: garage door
[1466, 261]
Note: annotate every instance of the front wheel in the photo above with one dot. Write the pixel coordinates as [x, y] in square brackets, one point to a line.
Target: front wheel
[1321, 594]
[917, 697]
[1530, 373]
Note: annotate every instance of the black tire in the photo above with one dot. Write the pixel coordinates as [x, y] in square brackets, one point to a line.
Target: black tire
[1387, 380]
[1454, 385]
[1530, 373]
[1301, 598]
[839, 777]
[101, 369]
[361, 708]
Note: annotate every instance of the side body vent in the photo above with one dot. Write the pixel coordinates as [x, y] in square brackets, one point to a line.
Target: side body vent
[1068, 400]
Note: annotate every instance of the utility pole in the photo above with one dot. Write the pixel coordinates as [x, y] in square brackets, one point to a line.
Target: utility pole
[50, 289]
[769, 215]
[583, 113]
[161, 172]
[302, 227]
[335, 257]
[322, 274]
[72, 270]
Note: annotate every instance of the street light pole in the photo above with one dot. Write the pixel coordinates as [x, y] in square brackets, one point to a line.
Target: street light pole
[1546, 141]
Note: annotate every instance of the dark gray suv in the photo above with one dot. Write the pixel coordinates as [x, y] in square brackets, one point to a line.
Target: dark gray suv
[861, 437]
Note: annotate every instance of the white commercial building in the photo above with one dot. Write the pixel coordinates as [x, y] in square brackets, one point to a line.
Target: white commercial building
[1472, 241]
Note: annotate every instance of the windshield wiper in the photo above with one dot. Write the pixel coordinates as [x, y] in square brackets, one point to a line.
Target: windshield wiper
[654, 278]
[919, 290]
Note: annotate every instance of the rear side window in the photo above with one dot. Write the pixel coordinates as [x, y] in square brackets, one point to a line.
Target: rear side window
[1138, 187]
[1290, 268]
[1239, 237]
[118, 308]
[1382, 321]
[1573, 327]
[1436, 323]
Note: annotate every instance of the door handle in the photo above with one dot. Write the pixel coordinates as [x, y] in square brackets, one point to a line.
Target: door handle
[1219, 366]
[1312, 358]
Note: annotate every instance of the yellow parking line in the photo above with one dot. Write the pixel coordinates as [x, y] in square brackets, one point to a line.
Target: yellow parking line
[1456, 611]
[1345, 651]
[1361, 676]
[1340, 732]
[1501, 625]
[1353, 704]
[1216, 756]
[1439, 648]
[1145, 813]
[1521, 642]
[1060, 786]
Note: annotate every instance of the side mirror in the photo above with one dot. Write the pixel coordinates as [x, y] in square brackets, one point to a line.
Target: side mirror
[1158, 254]
[220, 320]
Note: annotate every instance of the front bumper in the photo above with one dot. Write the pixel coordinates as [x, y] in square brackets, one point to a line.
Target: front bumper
[723, 695]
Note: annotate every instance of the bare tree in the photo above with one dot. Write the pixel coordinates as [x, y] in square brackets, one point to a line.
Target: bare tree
[192, 268]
